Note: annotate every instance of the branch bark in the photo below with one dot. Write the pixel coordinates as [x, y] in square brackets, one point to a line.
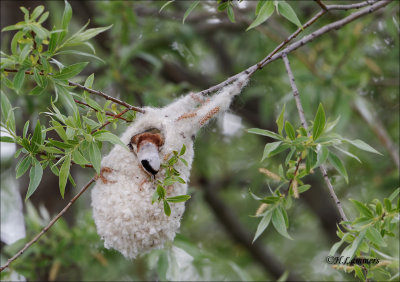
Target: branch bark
[306, 39]
[51, 223]
[305, 125]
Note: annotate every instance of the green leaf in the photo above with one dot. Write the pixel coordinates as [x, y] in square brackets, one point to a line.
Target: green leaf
[41, 32]
[19, 79]
[189, 10]
[269, 148]
[70, 71]
[66, 18]
[14, 41]
[311, 159]
[303, 188]
[359, 273]
[79, 53]
[319, 122]
[22, 166]
[263, 224]
[287, 11]
[264, 133]
[178, 199]
[165, 5]
[394, 194]
[348, 153]
[281, 148]
[7, 139]
[222, 6]
[37, 12]
[78, 158]
[109, 137]
[184, 161]
[338, 165]
[378, 208]
[322, 155]
[183, 150]
[95, 156]
[37, 77]
[290, 155]
[290, 130]
[167, 208]
[35, 176]
[363, 209]
[231, 14]
[7, 112]
[43, 17]
[362, 145]
[53, 42]
[59, 144]
[64, 172]
[37, 136]
[80, 36]
[336, 246]
[279, 223]
[375, 237]
[280, 119]
[270, 200]
[24, 53]
[264, 13]
[161, 191]
[350, 250]
[388, 204]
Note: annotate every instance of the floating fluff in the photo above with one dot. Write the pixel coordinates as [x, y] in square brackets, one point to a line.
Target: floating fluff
[125, 218]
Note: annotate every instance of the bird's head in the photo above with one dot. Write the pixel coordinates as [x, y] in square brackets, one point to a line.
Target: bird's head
[147, 146]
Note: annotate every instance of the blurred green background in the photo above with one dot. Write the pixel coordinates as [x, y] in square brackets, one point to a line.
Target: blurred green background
[151, 58]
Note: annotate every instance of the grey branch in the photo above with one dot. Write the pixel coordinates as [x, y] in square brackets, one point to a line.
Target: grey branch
[306, 39]
[51, 223]
[296, 96]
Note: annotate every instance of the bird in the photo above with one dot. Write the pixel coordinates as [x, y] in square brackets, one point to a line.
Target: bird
[123, 212]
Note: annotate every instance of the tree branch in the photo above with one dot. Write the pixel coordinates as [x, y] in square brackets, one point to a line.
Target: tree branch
[305, 125]
[306, 39]
[95, 92]
[51, 223]
[107, 113]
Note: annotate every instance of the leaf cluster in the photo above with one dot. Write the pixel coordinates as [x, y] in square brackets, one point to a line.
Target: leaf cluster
[367, 234]
[171, 176]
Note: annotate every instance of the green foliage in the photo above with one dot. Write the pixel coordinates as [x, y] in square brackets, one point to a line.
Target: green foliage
[171, 177]
[366, 237]
[79, 134]
[315, 149]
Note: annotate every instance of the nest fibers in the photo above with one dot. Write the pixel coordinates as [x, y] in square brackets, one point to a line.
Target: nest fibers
[121, 199]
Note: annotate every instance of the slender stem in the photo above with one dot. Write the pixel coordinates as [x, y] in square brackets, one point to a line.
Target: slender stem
[51, 223]
[299, 106]
[306, 39]
[92, 91]
[107, 113]
[108, 97]
[108, 122]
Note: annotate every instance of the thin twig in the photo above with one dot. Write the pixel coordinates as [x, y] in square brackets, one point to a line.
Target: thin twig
[107, 113]
[295, 173]
[306, 39]
[95, 92]
[51, 223]
[108, 97]
[351, 6]
[108, 122]
[322, 5]
[296, 96]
